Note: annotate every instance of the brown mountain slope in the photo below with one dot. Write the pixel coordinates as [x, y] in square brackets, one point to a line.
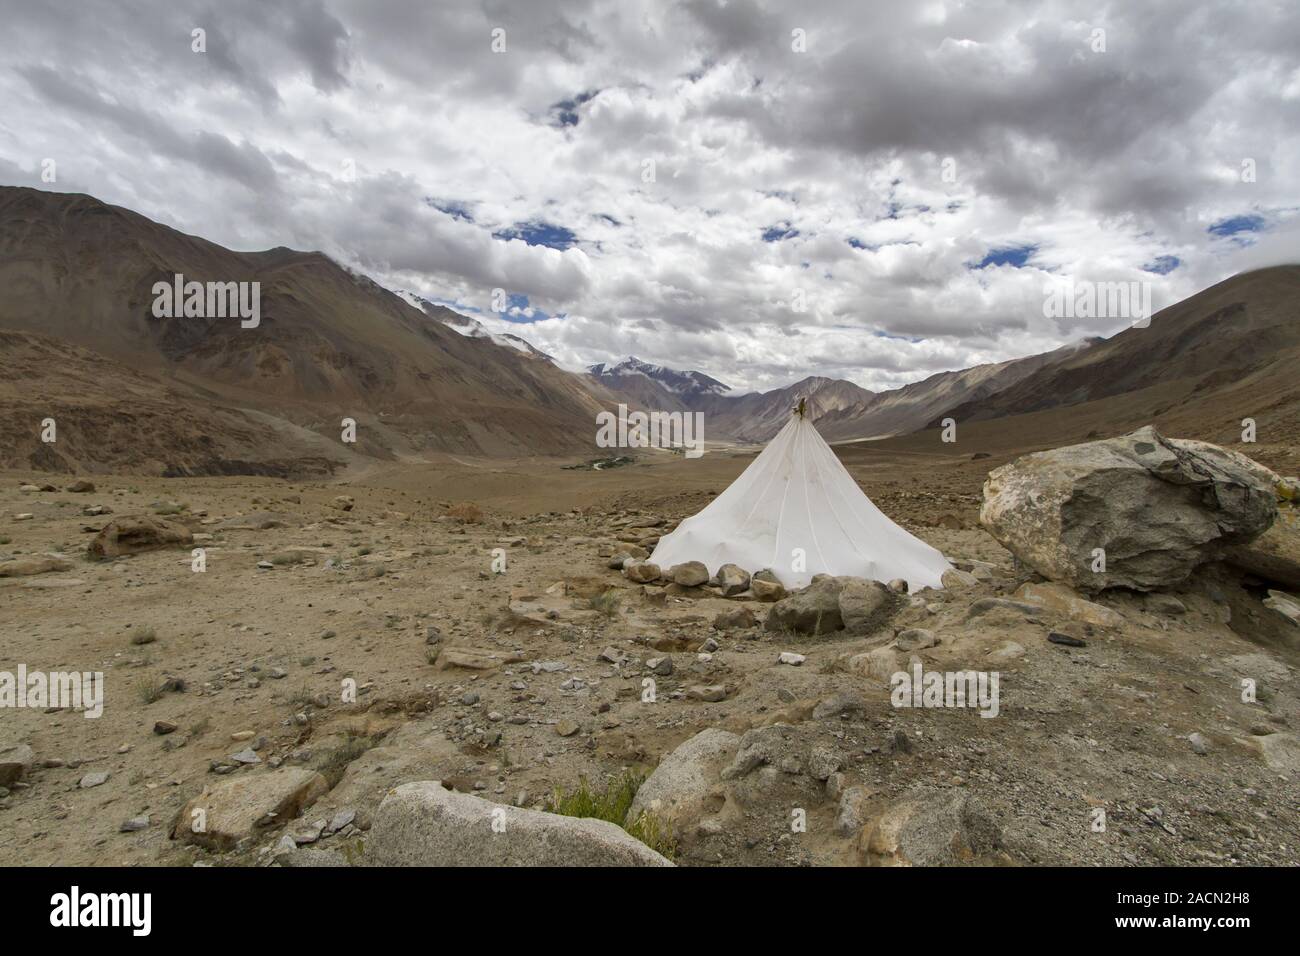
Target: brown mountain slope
[758, 416]
[1240, 328]
[330, 343]
[902, 410]
[108, 417]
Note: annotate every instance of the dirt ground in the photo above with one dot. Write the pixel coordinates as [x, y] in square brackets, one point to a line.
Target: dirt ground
[262, 653]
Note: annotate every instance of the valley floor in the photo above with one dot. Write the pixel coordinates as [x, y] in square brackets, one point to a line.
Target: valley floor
[262, 654]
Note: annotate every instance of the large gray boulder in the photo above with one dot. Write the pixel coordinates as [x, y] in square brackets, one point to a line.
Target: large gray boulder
[15, 760]
[930, 828]
[813, 610]
[1157, 506]
[866, 605]
[423, 824]
[686, 784]
[132, 534]
[236, 811]
[1275, 554]
[732, 579]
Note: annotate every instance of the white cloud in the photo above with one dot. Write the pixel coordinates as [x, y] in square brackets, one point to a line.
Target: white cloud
[1102, 162]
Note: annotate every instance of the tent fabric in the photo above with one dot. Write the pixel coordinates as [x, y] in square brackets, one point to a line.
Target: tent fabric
[797, 494]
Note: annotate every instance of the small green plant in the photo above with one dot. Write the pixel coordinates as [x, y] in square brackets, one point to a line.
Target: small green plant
[607, 603]
[200, 727]
[335, 761]
[150, 689]
[612, 805]
[301, 697]
[144, 635]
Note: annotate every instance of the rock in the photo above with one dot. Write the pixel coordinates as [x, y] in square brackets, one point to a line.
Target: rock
[663, 666]
[15, 761]
[642, 572]
[163, 727]
[956, 579]
[1200, 745]
[566, 728]
[135, 823]
[1007, 651]
[342, 503]
[710, 694]
[423, 824]
[791, 658]
[737, 618]
[474, 658]
[340, 819]
[1157, 603]
[1158, 508]
[1287, 605]
[611, 655]
[1274, 555]
[879, 663]
[235, 810]
[685, 785]
[134, 534]
[34, 564]
[1062, 600]
[81, 487]
[689, 574]
[732, 579]
[929, 829]
[813, 610]
[822, 762]
[865, 605]
[1279, 751]
[95, 779]
[839, 704]
[766, 586]
[1066, 640]
[915, 639]
[852, 815]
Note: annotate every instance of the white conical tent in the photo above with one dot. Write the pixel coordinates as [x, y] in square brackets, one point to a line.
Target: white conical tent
[796, 494]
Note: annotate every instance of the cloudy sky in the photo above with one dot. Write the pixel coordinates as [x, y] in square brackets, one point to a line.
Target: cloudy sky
[867, 190]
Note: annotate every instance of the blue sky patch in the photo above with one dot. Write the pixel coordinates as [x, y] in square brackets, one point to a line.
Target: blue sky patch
[539, 234]
[565, 112]
[1235, 224]
[451, 207]
[782, 230]
[1008, 256]
[516, 305]
[1163, 265]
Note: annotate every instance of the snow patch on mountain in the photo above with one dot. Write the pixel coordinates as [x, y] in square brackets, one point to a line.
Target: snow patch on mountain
[470, 327]
[680, 383]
